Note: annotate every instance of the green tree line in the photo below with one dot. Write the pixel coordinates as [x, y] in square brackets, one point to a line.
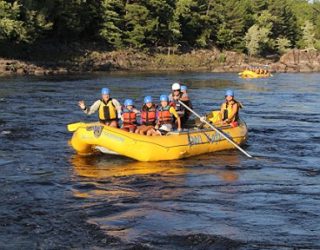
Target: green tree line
[257, 27]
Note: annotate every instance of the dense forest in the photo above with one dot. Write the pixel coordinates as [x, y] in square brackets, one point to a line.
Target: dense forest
[256, 27]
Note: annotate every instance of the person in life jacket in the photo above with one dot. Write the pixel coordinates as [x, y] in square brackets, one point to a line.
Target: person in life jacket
[165, 115]
[129, 116]
[148, 115]
[186, 100]
[230, 109]
[109, 109]
[174, 98]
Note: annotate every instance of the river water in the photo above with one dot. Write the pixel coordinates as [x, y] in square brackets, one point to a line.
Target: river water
[53, 199]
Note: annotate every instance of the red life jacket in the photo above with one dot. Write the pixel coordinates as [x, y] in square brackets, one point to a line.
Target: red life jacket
[164, 116]
[129, 117]
[148, 115]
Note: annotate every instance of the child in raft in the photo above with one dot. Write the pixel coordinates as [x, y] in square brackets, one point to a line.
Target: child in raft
[165, 114]
[148, 115]
[129, 116]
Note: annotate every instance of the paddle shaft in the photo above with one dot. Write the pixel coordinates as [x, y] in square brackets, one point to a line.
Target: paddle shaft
[217, 130]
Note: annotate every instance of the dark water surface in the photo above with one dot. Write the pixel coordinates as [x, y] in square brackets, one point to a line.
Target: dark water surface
[53, 199]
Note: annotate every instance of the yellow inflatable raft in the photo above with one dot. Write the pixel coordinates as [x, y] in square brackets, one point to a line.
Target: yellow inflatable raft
[252, 74]
[175, 145]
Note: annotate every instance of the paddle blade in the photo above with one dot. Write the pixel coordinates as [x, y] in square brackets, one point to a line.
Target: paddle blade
[74, 126]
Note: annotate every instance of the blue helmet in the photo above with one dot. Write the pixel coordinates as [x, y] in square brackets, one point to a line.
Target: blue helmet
[229, 92]
[183, 88]
[147, 99]
[105, 91]
[163, 98]
[128, 102]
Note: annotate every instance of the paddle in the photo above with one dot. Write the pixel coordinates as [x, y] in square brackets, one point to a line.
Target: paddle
[74, 126]
[217, 130]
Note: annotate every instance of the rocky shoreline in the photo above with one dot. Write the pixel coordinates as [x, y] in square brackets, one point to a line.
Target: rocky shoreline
[201, 60]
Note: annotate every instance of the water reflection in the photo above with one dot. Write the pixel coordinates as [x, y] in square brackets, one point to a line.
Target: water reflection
[113, 166]
[158, 196]
[106, 166]
[115, 177]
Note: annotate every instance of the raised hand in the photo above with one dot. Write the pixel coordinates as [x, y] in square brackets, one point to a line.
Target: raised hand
[81, 104]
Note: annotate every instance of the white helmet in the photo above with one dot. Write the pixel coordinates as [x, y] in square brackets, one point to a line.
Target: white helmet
[176, 86]
[166, 127]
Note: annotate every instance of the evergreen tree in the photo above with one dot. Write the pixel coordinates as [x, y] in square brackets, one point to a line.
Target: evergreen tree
[285, 22]
[67, 19]
[302, 9]
[315, 18]
[111, 30]
[233, 25]
[162, 18]
[198, 20]
[144, 24]
[136, 19]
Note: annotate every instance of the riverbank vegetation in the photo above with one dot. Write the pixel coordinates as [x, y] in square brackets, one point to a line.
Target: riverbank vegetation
[68, 31]
[257, 27]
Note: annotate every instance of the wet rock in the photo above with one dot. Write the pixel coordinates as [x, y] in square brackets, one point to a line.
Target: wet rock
[62, 71]
[234, 58]
[20, 71]
[305, 68]
[278, 67]
[38, 72]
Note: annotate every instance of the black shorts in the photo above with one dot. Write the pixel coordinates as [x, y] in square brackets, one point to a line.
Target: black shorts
[163, 132]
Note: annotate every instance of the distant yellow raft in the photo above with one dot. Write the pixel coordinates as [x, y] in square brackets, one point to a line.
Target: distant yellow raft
[176, 145]
[252, 74]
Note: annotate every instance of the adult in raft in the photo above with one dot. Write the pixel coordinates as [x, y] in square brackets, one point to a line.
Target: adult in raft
[186, 100]
[148, 115]
[129, 116]
[174, 98]
[109, 109]
[230, 109]
[165, 114]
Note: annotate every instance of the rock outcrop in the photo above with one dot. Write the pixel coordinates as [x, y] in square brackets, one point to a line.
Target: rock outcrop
[298, 61]
[11, 67]
[196, 60]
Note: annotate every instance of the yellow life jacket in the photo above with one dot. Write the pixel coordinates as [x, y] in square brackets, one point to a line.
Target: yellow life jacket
[228, 110]
[107, 111]
[215, 117]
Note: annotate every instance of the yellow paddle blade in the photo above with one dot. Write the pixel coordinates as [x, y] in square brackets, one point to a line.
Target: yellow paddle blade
[74, 126]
